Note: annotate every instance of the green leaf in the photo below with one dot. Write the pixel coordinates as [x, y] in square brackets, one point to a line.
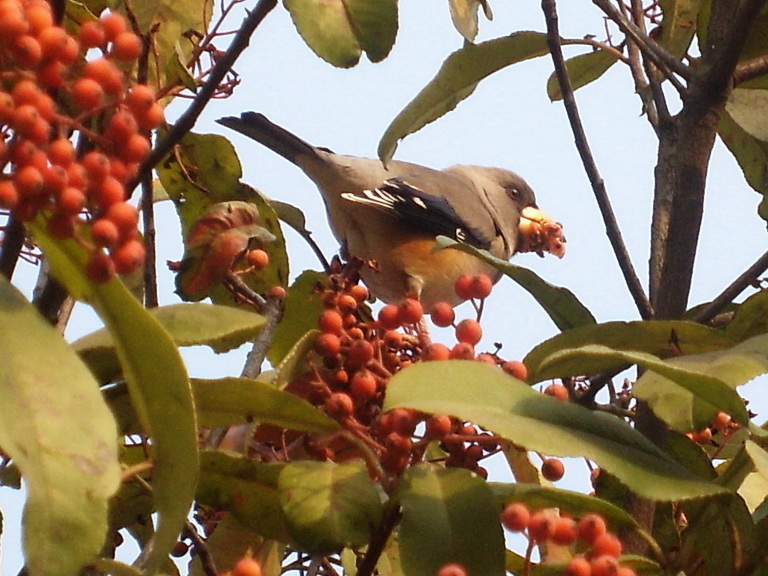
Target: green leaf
[303, 306]
[574, 503]
[245, 487]
[339, 31]
[456, 80]
[294, 363]
[232, 401]
[58, 431]
[562, 306]
[328, 506]
[582, 69]
[449, 515]
[654, 337]
[490, 398]
[751, 318]
[694, 407]
[157, 380]
[678, 25]
[686, 371]
[750, 153]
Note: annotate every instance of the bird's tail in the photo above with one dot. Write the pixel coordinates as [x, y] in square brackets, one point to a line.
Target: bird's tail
[277, 139]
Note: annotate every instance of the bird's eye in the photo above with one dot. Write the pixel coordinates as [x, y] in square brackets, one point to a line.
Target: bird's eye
[514, 192]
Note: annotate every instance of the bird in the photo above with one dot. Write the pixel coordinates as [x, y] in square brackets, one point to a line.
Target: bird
[388, 217]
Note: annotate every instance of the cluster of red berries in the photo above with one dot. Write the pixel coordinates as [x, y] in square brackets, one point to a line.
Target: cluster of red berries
[353, 359]
[721, 424]
[598, 549]
[56, 86]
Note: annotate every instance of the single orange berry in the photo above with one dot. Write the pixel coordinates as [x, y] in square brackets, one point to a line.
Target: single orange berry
[442, 314]
[339, 405]
[604, 566]
[87, 94]
[463, 286]
[410, 311]
[330, 321]
[516, 369]
[113, 24]
[578, 566]
[438, 425]
[258, 258]
[104, 233]
[515, 517]
[540, 527]
[436, 351]
[552, 469]
[452, 569]
[565, 531]
[389, 317]
[92, 35]
[462, 351]
[363, 385]
[53, 41]
[127, 47]
[469, 331]
[99, 268]
[9, 196]
[61, 152]
[128, 256]
[590, 527]
[247, 567]
[557, 391]
[606, 544]
[481, 286]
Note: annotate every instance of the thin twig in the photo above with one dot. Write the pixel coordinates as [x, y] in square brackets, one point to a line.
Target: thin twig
[379, 540]
[201, 549]
[187, 120]
[734, 289]
[13, 241]
[750, 69]
[642, 84]
[598, 185]
[666, 62]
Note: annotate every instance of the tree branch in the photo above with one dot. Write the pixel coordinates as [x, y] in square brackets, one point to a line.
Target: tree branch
[549, 8]
[733, 290]
[223, 65]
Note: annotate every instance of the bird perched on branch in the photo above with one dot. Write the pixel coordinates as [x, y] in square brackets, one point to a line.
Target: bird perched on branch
[388, 217]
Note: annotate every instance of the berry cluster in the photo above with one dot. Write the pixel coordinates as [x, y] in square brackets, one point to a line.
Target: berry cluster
[56, 86]
[598, 550]
[354, 357]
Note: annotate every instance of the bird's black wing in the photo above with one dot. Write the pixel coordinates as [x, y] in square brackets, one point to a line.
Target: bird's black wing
[406, 202]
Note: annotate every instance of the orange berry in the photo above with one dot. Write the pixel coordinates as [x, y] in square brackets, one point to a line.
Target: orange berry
[410, 311]
[70, 201]
[557, 391]
[113, 25]
[135, 149]
[462, 351]
[363, 385]
[9, 196]
[25, 92]
[339, 405]
[247, 567]
[92, 35]
[604, 566]
[327, 345]
[53, 41]
[626, 571]
[452, 569]
[469, 331]
[438, 425]
[104, 233]
[358, 291]
[7, 107]
[87, 94]
[701, 436]
[442, 314]
[99, 268]
[28, 181]
[330, 321]
[50, 74]
[13, 23]
[360, 353]
[39, 17]
[128, 256]
[515, 517]
[124, 216]
[578, 566]
[46, 106]
[463, 286]
[25, 118]
[109, 191]
[436, 351]
[106, 74]
[121, 126]
[77, 175]
[590, 527]
[540, 527]
[565, 532]
[721, 421]
[481, 286]
[70, 52]
[606, 544]
[61, 152]
[27, 51]
[516, 369]
[96, 165]
[552, 469]
[258, 258]
[389, 317]
[140, 98]
[127, 47]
